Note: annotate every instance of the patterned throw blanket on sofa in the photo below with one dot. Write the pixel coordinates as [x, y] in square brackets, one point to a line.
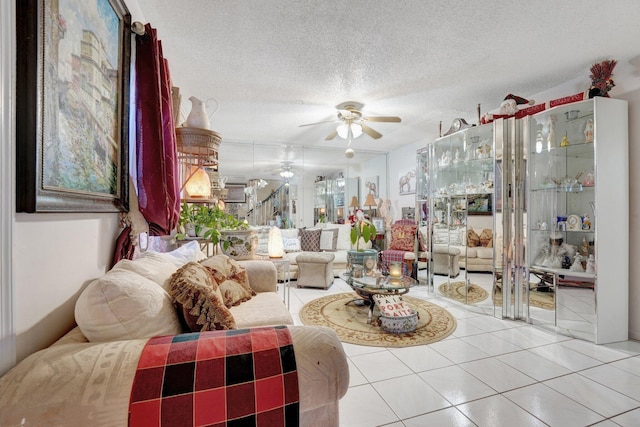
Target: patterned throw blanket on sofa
[240, 377]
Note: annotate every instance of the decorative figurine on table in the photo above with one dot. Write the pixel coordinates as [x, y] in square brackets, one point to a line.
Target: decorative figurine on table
[577, 263]
[586, 222]
[591, 264]
[588, 131]
[601, 81]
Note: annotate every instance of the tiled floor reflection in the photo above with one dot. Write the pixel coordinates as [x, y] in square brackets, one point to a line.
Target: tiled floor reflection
[490, 373]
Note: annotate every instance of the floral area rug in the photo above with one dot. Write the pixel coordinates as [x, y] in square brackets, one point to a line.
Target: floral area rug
[456, 291]
[544, 300]
[340, 313]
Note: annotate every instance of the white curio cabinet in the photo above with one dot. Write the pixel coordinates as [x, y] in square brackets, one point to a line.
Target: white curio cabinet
[577, 216]
[554, 193]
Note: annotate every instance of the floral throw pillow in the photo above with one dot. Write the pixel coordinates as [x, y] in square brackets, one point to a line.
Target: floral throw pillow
[198, 298]
[231, 277]
[310, 239]
[473, 239]
[403, 237]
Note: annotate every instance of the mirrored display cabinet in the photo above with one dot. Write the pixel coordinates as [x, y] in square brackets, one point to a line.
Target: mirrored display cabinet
[578, 214]
[455, 199]
[527, 218]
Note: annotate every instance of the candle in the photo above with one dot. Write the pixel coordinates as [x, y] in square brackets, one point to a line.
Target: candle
[395, 269]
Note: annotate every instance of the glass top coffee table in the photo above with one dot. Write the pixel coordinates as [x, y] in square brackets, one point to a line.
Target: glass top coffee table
[368, 286]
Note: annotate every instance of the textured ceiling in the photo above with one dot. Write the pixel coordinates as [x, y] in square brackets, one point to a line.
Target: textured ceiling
[274, 65]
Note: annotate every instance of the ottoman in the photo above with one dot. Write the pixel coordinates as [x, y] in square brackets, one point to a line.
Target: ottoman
[315, 269]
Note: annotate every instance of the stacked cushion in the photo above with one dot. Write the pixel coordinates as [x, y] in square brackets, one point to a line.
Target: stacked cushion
[199, 299]
[231, 278]
[485, 239]
[131, 300]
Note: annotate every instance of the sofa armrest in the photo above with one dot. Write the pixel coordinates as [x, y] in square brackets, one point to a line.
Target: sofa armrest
[263, 276]
[323, 371]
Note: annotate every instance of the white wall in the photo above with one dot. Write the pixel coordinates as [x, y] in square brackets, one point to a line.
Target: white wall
[54, 257]
[401, 161]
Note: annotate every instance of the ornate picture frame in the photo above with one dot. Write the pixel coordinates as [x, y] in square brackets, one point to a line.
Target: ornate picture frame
[72, 121]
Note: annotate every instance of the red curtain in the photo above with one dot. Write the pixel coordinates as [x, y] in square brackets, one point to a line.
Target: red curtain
[156, 154]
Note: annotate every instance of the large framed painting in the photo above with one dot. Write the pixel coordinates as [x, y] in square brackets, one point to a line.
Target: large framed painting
[72, 103]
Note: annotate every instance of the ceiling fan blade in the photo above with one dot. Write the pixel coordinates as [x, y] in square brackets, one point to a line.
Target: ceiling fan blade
[372, 133]
[319, 123]
[383, 119]
[331, 135]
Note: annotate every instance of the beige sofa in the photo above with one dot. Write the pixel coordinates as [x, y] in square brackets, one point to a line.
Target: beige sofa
[337, 247]
[473, 256]
[85, 378]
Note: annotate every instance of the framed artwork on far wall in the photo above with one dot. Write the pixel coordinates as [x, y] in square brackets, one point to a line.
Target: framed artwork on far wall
[407, 182]
[378, 223]
[72, 105]
[235, 193]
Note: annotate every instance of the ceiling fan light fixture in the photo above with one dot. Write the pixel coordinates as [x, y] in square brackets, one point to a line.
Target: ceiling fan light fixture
[343, 130]
[286, 174]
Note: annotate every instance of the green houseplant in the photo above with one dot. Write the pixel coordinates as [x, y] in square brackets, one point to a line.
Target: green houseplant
[362, 229]
[208, 222]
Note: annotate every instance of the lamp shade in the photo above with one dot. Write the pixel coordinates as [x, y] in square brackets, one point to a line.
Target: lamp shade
[354, 202]
[198, 185]
[343, 130]
[276, 247]
[370, 201]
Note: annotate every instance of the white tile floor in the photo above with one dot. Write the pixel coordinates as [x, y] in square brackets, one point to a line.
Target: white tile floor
[490, 373]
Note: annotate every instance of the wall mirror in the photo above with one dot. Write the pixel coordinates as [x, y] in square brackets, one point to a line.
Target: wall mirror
[293, 171]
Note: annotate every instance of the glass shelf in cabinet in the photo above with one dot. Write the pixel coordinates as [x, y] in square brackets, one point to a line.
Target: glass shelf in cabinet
[572, 150]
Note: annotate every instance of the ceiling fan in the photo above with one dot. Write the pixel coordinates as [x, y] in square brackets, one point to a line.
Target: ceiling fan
[286, 171]
[350, 114]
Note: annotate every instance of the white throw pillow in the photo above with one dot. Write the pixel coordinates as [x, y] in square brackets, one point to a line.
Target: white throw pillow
[154, 266]
[184, 254]
[291, 244]
[289, 233]
[329, 239]
[123, 305]
[344, 236]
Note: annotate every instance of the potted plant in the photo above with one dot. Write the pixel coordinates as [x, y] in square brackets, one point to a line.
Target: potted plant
[236, 239]
[214, 224]
[362, 230]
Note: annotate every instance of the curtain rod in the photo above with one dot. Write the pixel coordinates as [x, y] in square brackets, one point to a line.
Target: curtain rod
[138, 28]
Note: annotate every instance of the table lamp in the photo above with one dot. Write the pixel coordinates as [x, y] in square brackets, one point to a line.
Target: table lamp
[275, 246]
[370, 201]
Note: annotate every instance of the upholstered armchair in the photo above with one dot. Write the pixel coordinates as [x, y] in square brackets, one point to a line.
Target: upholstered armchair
[402, 247]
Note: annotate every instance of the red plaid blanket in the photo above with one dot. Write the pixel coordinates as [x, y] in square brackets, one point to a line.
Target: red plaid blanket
[240, 377]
